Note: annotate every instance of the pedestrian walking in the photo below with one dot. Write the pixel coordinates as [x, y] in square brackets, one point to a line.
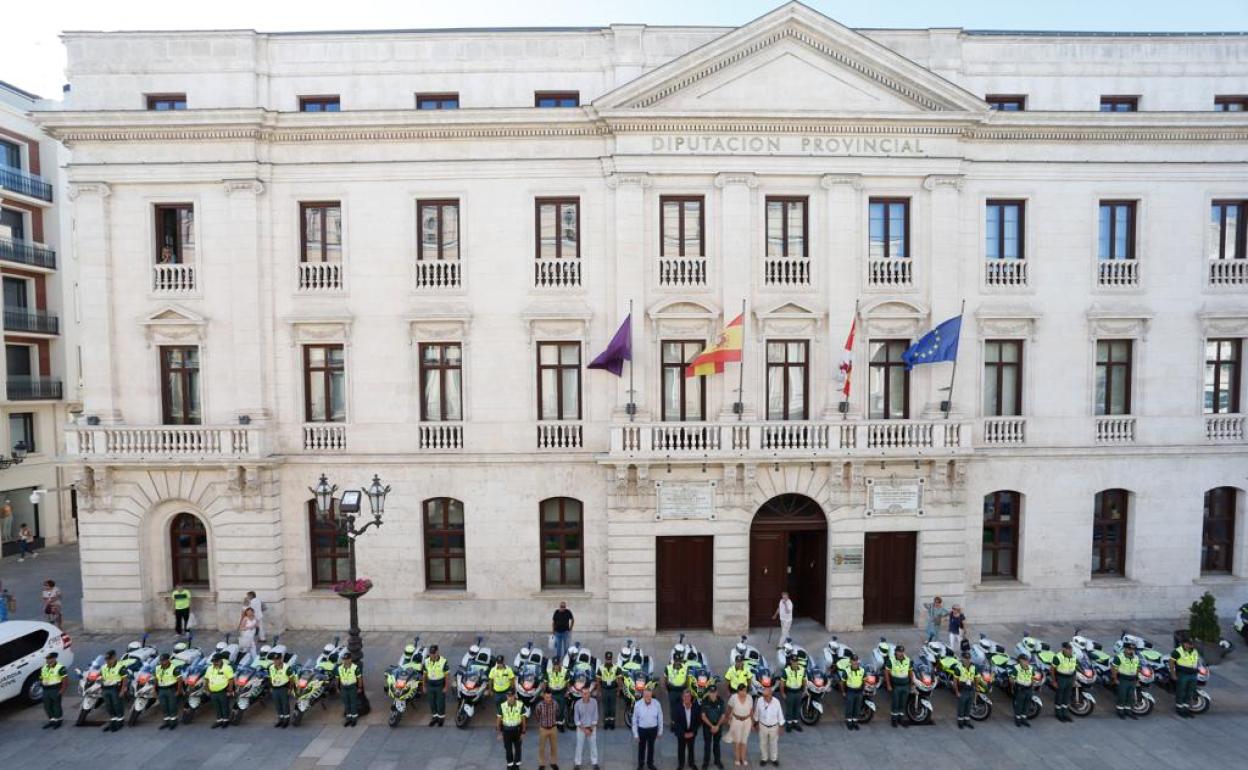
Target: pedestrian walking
[784, 611]
[768, 716]
[55, 680]
[897, 682]
[181, 609]
[168, 690]
[852, 681]
[793, 684]
[350, 682]
[585, 716]
[1124, 672]
[511, 724]
[561, 625]
[685, 723]
[436, 686]
[248, 627]
[647, 728]
[741, 716]
[7, 604]
[546, 713]
[714, 717]
[936, 612]
[220, 679]
[608, 685]
[957, 628]
[25, 543]
[1184, 663]
[1063, 672]
[113, 686]
[281, 682]
[52, 603]
[964, 690]
[1022, 682]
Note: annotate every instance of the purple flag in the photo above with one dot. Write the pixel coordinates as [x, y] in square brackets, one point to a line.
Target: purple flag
[619, 350]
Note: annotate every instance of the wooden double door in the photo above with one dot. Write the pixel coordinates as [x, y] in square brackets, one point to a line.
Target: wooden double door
[888, 578]
[788, 552]
[685, 579]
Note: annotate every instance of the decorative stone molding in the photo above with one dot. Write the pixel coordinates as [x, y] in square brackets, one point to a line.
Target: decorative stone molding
[725, 179]
[640, 180]
[320, 330]
[1013, 321]
[567, 319]
[94, 485]
[1224, 323]
[77, 189]
[173, 325]
[447, 323]
[934, 181]
[892, 317]
[789, 319]
[254, 186]
[679, 317]
[833, 181]
[244, 485]
[1118, 322]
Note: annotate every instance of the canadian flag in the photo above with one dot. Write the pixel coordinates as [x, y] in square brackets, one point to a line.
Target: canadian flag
[847, 360]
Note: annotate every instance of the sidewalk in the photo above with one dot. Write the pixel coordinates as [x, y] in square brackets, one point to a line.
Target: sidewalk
[25, 581]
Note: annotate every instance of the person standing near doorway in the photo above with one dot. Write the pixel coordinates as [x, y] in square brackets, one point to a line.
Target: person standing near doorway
[784, 611]
[936, 612]
[561, 625]
[181, 609]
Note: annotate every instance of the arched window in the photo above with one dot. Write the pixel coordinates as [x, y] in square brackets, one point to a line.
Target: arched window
[188, 550]
[329, 547]
[1218, 536]
[1001, 520]
[444, 543]
[562, 525]
[1109, 533]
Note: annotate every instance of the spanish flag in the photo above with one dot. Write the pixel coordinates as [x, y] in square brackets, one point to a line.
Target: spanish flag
[726, 348]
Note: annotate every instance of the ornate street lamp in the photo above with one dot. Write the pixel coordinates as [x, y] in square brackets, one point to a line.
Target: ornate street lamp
[19, 454]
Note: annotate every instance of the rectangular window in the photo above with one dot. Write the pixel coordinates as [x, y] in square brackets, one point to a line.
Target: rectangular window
[1116, 238]
[444, 544]
[441, 381]
[437, 225]
[179, 384]
[330, 548]
[1109, 533]
[557, 99]
[1003, 378]
[1222, 372]
[889, 228]
[22, 430]
[319, 104]
[1217, 548]
[1230, 103]
[1004, 229]
[1113, 377]
[787, 223]
[563, 562]
[682, 221]
[320, 232]
[16, 293]
[164, 102]
[999, 557]
[684, 398]
[558, 380]
[437, 101]
[1120, 103]
[1006, 103]
[175, 234]
[12, 224]
[558, 228]
[890, 381]
[324, 383]
[1228, 230]
[10, 154]
[788, 379]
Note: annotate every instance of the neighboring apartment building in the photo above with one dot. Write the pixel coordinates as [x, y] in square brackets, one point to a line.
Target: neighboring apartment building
[36, 338]
[394, 253]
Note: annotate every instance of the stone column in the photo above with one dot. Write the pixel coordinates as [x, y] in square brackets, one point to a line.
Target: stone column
[942, 265]
[92, 235]
[249, 363]
[739, 249]
[634, 260]
[845, 255]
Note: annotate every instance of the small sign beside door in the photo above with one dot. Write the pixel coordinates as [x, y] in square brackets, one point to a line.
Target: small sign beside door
[892, 496]
[684, 500]
[847, 559]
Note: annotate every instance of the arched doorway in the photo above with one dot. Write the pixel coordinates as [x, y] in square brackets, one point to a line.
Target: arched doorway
[788, 552]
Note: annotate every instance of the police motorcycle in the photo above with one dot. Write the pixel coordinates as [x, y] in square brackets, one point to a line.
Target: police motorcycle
[755, 662]
[1241, 622]
[193, 676]
[143, 687]
[945, 664]
[184, 654]
[836, 659]
[1044, 658]
[470, 681]
[90, 689]
[530, 667]
[316, 679]
[1152, 668]
[1202, 701]
[992, 660]
[1101, 664]
[635, 670]
[404, 682]
[818, 681]
[251, 680]
[919, 705]
[582, 669]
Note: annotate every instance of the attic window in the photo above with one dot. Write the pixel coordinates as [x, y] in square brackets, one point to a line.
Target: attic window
[164, 102]
[1007, 103]
[320, 104]
[557, 99]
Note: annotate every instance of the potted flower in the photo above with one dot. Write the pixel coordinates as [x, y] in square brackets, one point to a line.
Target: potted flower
[353, 588]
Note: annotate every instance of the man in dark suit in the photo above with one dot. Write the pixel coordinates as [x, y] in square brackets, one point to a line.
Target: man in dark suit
[687, 719]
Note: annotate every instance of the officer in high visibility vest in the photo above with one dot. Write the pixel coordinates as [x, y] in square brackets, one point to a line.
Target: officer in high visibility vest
[793, 684]
[350, 681]
[964, 688]
[181, 598]
[1065, 664]
[1022, 681]
[55, 680]
[502, 678]
[435, 686]
[168, 690]
[220, 679]
[1124, 672]
[675, 678]
[608, 681]
[1184, 663]
[739, 674]
[853, 677]
[511, 723]
[281, 682]
[897, 681]
[113, 682]
[557, 686]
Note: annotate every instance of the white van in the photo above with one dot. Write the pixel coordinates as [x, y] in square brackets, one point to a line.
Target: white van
[23, 646]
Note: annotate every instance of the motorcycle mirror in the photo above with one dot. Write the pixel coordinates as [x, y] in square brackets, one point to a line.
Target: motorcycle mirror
[144, 637]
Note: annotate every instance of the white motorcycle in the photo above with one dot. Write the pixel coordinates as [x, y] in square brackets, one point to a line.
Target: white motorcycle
[818, 681]
[471, 680]
[919, 705]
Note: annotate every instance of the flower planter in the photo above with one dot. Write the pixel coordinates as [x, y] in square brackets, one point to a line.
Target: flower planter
[346, 594]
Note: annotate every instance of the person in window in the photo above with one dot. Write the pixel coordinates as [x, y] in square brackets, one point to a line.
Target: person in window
[166, 256]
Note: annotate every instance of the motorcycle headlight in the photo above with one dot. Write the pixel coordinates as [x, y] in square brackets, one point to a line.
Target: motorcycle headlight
[92, 676]
[927, 680]
[242, 680]
[987, 676]
[400, 684]
[143, 678]
[1087, 672]
[303, 682]
[192, 679]
[640, 686]
[1036, 677]
[1146, 671]
[702, 681]
[1202, 671]
[470, 685]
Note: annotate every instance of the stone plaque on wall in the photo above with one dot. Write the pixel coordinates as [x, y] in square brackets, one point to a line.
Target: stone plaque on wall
[684, 499]
[847, 559]
[891, 496]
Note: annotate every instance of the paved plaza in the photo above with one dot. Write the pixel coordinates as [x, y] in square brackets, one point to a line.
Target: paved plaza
[1159, 741]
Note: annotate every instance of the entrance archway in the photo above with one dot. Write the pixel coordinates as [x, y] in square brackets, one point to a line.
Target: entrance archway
[788, 552]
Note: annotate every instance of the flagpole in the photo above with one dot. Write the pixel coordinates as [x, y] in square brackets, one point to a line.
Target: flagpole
[740, 406]
[954, 373]
[844, 405]
[632, 404]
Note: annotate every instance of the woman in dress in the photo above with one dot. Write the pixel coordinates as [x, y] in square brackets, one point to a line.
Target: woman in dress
[741, 714]
[247, 628]
[52, 603]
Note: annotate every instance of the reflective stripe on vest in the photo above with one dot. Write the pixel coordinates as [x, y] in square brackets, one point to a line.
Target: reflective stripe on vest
[1186, 659]
[279, 676]
[111, 674]
[1126, 666]
[166, 676]
[854, 678]
[348, 674]
[52, 675]
[793, 678]
[1066, 666]
[502, 678]
[608, 674]
[512, 713]
[677, 674]
[966, 674]
[900, 669]
[181, 600]
[435, 669]
[218, 678]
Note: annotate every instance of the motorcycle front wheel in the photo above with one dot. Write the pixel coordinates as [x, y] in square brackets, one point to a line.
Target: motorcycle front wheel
[809, 714]
[628, 717]
[296, 717]
[236, 715]
[461, 718]
[866, 714]
[394, 718]
[1200, 704]
[82, 717]
[1081, 705]
[1034, 707]
[917, 713]
[980, 709]
[1142, 706]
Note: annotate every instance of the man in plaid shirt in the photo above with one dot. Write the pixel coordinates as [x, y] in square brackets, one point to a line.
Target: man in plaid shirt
[547, 715]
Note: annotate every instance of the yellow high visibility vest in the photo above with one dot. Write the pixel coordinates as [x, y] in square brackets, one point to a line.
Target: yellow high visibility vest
[737, 677]
[181, 599]
[435, 669]
[218, 678]
[900, 669]
[1127, 666]
[854, 677]
[111, 674]
[166, 676]
[348, 674]
[50, 676]
[512, 713]
[793, 678]
[279, 675]
[502, 678]
[677, 675]
[1185, 659]
[1066, 665]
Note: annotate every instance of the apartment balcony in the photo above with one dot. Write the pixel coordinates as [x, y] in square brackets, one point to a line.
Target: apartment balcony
[558, 436]
[165, 442]
[1005, 273]
[27, 388]
[27, 254]
[324, 437]
[1226, 429]
[1004, 431]
[786, 271]
[19, 182]
[441, 436]
[890, 273]
[173, 280]
[682, 272]
[31, 321]
[1115, 430]
[438, 274]
[556, 273]
[1118, 273]
[1224, 273]
[320, 277]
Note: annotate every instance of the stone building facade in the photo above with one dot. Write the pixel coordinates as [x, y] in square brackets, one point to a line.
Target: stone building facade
[394, 253]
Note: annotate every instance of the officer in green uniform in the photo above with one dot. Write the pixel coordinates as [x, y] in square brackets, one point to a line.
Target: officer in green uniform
[675, 678]
[1124, 672]
[55, 680]
[964, 689]
[897, 681]
[557, 685]
[794, 684]
[1065, 664]
[501, 680]
[220, 679]
[852, 680]
[113, 682]
[168, 690]
[349, 683]
[608, 681]
[511, 727]
[738, 675]
[1021, 681]
[1183, 663]
[181, 609]
[281, 682]
[435, 686]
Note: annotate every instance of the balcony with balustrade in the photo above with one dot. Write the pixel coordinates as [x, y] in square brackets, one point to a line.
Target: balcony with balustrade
[1228, 273]
[324, 437]
[168, 443]
[1226, 429]
[18, 182]
[320, 277]
[557, 273]
[173, 280]
[438, 274]
[890, 273]
[1005, 273]
[27, 254]
[1115, 430]
[1003, 431]
[441, 436]
[39, 323]
[557, 435]
[32, 388]
[682, 272]
[1118, 273]
[787, 272]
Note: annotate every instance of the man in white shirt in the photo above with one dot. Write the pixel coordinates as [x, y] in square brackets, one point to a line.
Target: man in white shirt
[784, 611]
[257, 607]
[768, 717]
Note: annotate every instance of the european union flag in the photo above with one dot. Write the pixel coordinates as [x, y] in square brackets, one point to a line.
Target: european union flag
[940, 344]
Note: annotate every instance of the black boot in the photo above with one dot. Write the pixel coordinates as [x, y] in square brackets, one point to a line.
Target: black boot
[797, 726]
[970, 725]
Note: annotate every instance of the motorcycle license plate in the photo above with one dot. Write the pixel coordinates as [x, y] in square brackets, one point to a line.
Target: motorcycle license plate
[469, 709]
[400, 706]
[817, 705]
